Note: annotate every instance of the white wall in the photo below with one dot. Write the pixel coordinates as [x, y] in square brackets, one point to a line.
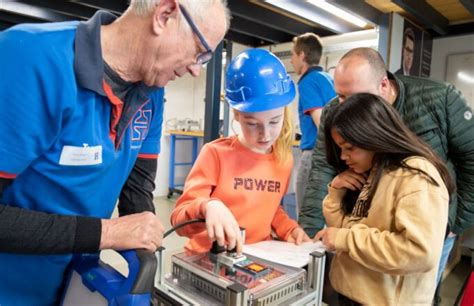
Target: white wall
[396, 42]
[184, 99]
[334, 47]
[442, 47]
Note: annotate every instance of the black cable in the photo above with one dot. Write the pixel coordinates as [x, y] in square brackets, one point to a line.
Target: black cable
[181, 225]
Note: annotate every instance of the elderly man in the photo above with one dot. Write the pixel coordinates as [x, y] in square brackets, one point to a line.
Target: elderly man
[436, 112]
[81, 124]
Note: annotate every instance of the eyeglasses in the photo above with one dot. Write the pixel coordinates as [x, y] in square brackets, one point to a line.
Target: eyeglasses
[203, 57]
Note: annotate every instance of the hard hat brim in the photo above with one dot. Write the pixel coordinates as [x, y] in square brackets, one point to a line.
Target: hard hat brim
[264, 103]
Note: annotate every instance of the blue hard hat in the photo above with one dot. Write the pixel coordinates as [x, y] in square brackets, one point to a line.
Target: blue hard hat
[257, 81]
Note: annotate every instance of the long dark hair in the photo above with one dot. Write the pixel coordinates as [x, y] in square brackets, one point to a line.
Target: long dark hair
[370, 123]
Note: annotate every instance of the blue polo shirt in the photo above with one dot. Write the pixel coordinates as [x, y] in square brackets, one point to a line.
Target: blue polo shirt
[316, 88]
[59, 141]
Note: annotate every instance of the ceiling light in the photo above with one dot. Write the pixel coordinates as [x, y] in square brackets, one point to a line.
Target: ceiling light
[464, 76]
[328, 7]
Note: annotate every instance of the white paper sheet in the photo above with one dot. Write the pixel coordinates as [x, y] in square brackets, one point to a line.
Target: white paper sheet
[285, 253]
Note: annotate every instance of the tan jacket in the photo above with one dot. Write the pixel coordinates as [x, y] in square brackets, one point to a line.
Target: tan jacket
[391, 257]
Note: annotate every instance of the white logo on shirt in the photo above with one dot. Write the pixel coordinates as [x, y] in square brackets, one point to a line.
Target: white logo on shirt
[81, 156]
[468, 115]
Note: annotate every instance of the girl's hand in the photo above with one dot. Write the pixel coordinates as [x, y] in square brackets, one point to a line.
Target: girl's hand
[298, 236]
[349, 179]
[222, 226]
[328, 236]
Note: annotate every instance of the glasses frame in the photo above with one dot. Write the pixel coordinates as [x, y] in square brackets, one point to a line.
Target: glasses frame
[203, 57]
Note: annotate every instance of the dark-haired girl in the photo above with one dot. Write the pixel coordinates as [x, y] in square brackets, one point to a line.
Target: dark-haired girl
[387, 209]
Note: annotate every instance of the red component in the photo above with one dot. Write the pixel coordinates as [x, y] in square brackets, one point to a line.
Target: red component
[468, 297]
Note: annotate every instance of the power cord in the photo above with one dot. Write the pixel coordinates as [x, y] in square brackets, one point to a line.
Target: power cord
[181, 225]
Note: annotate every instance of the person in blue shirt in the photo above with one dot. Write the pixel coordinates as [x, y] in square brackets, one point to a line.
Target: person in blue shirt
[81, 108]
[315, 88]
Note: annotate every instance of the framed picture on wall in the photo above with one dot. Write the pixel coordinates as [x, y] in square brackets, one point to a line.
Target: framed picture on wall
[410, 48]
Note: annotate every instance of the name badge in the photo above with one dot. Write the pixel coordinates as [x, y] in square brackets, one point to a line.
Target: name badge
[81, 156]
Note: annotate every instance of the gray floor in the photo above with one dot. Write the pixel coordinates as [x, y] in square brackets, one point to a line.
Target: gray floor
[453, 283]
[174, 244]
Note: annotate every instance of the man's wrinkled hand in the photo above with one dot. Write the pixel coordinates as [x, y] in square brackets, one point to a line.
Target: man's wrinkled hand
[135, 231]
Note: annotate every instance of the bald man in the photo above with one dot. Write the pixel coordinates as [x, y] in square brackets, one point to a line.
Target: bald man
[436, 112]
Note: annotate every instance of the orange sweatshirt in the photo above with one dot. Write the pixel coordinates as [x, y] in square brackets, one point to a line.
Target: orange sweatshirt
[250, 184]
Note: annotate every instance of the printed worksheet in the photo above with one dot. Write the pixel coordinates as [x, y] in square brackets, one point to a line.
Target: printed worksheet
[284, 253]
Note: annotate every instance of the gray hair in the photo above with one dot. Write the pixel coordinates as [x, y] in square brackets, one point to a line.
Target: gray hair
[197, 8]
